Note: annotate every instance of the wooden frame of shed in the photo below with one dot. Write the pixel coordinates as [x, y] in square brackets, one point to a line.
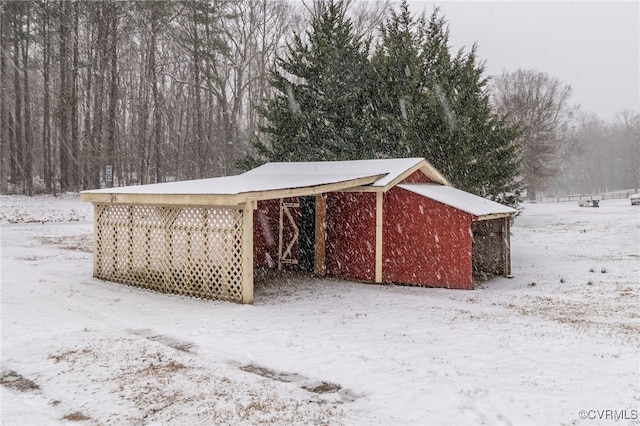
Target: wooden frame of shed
[192, 238]
[201, 238]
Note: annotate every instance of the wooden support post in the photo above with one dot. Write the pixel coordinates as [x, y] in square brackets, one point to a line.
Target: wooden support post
[319, 258]
[169, 216]
[113, 247]
[506, 238]
[130, 253]
[379, 231]
[97, 240]
[280, 225]
[247, 252]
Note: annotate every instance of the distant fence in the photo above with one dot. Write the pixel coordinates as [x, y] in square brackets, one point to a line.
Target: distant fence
[566, 198]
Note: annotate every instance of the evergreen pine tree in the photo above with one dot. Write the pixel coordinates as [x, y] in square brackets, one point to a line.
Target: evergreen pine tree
[434, 105]
[322, 108]
[397, 95]
[412, 98]
[486, 157]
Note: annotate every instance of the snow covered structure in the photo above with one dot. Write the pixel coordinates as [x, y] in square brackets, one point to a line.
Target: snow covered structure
[391, 220]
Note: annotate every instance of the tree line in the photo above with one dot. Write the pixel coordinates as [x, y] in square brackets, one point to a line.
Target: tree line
[565, 150]
[603, 156]
[157, 90]
[172, 90]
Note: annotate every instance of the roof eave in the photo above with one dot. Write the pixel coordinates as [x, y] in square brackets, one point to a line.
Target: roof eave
[221, 199]
[478, 218]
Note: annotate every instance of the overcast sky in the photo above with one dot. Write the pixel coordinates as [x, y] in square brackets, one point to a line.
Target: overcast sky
[594, 46]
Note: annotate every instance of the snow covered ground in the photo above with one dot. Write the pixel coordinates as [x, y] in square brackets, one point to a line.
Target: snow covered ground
[557, 344]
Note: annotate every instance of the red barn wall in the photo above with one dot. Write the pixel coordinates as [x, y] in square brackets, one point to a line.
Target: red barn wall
[266, 219]
[351, 235]
[425, 242]
[416, 177]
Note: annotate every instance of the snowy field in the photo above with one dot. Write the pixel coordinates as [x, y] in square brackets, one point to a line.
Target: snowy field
[556, 344]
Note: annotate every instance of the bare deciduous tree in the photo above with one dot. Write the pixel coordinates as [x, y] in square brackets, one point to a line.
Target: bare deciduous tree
[367, 16]
[45, 34]
[627, 132]
[113, 86]
[65, 96]
[4, 96]
[16, 143]
[605, 157]
[28, 128]
[539, 105]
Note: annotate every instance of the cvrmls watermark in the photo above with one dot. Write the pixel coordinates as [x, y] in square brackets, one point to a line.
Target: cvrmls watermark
[605, 414]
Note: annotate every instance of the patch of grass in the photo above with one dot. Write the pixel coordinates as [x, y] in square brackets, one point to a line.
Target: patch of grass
[15, 381]
[76, 417]
[323, 387]
[68, 355]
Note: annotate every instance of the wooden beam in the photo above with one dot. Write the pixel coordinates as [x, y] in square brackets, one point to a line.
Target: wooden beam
[492, 216]
[506, 238]
[426, 168]
[319, 258]
[247, 252]
[136, 196]
[379, 235]
[280, 232]
[97, 241]
[367, 188]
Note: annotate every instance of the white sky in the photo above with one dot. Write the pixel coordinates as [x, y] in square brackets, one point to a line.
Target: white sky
[594, 46]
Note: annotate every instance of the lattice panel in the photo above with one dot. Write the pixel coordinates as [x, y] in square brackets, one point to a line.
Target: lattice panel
[190, 251]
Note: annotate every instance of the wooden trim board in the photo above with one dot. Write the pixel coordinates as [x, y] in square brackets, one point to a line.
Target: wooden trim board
[247, 252]
[379, 235]
[319, 258]
[212, 199]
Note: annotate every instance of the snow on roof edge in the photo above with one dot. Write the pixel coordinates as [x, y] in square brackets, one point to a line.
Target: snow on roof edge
[285, 175]
[391, 167]
[459, 199]
[235, 185]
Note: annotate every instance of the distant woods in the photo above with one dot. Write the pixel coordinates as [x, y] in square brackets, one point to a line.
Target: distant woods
[173, 90]
[158, 90]
[562, 149]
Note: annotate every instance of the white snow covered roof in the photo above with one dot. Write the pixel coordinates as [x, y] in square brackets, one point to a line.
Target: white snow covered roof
[393, 169]
[460, 200]
[272, 180]
[234, 185]
[230, 190]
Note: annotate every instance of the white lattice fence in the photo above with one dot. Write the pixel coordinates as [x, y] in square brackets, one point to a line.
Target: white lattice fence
[191, 251]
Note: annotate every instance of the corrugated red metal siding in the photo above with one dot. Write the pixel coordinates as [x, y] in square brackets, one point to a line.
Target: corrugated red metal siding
[425, 242]
[351, 235]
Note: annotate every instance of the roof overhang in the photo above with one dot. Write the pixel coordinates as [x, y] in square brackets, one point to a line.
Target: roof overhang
[478, 207]
[211, 192]
[272, 181]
